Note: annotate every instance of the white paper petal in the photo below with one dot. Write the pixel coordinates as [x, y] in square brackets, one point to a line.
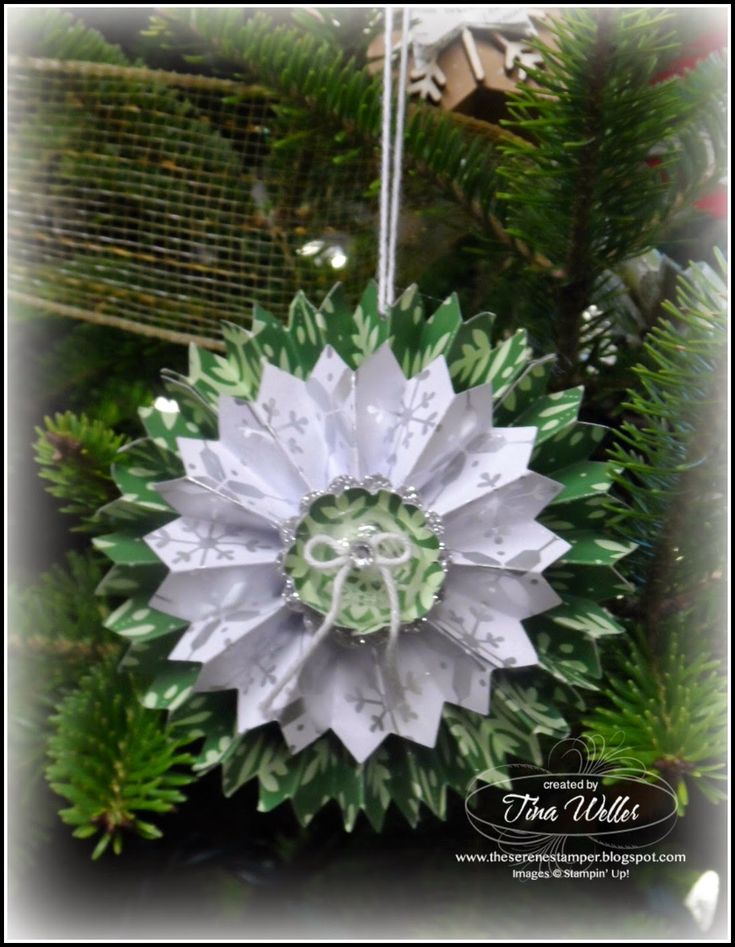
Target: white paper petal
[461, 676]
[296, 422]
[213, 465]
[357, 705]
[519, 501]
[253, 666]
[497, 639]
[520, 547]
[418, 716]
[482, 609]
[511, 593]
[469, 414]
[489, 461]
[200, 502]
[380, 386]
[267, 464]
[426, 399]
[331, 386]
[366, 708]
[209, 637]
[309, 716]
[258, 680]
[187, 544]
[210, 592]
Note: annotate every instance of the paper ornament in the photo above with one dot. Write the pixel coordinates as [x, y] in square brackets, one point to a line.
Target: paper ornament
[468, 58]
[346, 545]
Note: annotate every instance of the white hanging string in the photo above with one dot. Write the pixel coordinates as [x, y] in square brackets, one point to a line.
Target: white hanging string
[390, 197]
[390, 175]
[398, 159]
[385, 163]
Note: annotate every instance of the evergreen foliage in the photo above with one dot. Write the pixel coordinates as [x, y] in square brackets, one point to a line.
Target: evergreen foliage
[59, 35]
[113, 760]
[580, 187]
[55, 636]
[666, 689]
[668, 710]
[74, 454]
[57, 623]
[675, 422]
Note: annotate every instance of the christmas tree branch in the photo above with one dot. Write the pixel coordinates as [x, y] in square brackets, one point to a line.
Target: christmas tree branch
[575, 294]
[585, 191]
[669, 455]
[75, 454]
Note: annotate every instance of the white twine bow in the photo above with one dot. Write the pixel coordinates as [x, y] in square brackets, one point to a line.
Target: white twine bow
[360, 553]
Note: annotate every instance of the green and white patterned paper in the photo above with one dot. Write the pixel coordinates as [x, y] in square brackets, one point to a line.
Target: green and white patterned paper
[536, 672]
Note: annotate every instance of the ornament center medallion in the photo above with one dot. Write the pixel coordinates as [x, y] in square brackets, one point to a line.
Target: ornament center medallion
[349, 542]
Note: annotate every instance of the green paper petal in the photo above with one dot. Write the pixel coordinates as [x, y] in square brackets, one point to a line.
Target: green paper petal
[369, 329]
[597, 582]
[164, 427]
[213, 375]
[552, 413]
[580, 614]
[592, 549]
[566, 446]
[127, 580]
[586, 479]
[569, 656]
[307, 328]
[528, 386]
[575, 515]
[125, 550]
[137, 621]
[438, 334]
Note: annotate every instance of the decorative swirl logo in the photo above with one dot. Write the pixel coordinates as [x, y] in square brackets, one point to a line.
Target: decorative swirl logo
[589, 790]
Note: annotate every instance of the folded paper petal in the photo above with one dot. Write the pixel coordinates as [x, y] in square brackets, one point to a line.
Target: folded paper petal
[519, 501]
[201, 594]
[266, 462]
[520, 547]
[462, 677]
[212, 636]
[202, 502]
[187, 544]
[309, 716]
[212, 465]
[296, 422]
[379, 393]
[488, 462]
[331, 386]
[426, 399]
[369, 705]
[253, 666]
[468, 416]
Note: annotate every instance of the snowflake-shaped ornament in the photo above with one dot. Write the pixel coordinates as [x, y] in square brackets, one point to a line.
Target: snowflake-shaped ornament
[343, 517]
[433, 29]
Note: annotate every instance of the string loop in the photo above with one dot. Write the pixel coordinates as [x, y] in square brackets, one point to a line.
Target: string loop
[390, 172]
